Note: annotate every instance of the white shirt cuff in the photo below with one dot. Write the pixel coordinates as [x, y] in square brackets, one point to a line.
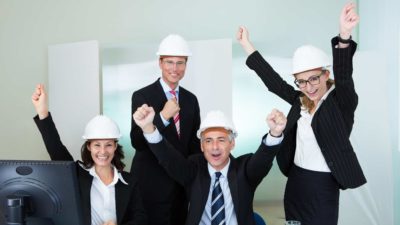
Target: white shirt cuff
[165, 122]
[154, 137]
[271, 141]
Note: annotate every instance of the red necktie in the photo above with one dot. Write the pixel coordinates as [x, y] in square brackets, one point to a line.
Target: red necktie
[176, 117]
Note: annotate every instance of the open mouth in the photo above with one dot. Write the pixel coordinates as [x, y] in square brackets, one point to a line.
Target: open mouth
[102, 157]
[216, 156]
[312, 93]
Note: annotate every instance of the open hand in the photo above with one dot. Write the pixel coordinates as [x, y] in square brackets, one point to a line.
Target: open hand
[348, 20]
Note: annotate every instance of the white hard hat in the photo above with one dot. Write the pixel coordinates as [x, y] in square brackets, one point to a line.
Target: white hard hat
[216, 119]
[101, 127]
[174, 45]
[308, 57]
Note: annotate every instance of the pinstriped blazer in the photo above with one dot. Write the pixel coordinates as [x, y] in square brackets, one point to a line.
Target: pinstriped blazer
[332, 123]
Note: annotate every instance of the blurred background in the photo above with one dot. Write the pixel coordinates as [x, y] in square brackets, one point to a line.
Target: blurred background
[128, 32]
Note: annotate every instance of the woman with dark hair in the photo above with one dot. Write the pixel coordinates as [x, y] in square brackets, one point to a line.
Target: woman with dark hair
[109, 195]
[316, 153]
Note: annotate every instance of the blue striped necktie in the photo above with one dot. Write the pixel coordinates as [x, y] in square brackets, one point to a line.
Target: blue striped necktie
[217, 203]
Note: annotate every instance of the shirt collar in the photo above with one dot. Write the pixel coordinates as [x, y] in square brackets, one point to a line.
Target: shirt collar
[326, 94]
[224, 170]
[166, 88]
[117, 175]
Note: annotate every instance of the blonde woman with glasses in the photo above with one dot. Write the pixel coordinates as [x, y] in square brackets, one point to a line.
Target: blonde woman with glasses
[316, 154]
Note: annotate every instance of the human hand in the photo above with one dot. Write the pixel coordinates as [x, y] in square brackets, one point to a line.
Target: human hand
[171, 108]
[242, 36]
[39, 101]
[110, 222]
[144, 117]
[276, 121]
[348, 20]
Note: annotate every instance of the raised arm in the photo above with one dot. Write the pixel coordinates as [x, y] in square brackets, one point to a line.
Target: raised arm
[46, 126]
[264, 70]
[174, 163]
[261, 162]
[243, 37]
[348, 20]
[343, 51]
[39, 101]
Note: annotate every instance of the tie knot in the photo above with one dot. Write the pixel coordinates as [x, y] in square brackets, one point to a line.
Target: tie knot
[218, 175]
[173, 92]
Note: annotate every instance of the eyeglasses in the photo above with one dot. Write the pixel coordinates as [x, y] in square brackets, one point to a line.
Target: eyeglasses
[178, 64]
[313, 80]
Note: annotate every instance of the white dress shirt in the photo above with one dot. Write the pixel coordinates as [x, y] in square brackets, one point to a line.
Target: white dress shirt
[230, 215]
[102, 198]
[308, 154]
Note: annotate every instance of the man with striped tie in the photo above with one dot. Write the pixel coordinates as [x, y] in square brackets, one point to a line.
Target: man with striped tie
[220, 187]
[177, 118]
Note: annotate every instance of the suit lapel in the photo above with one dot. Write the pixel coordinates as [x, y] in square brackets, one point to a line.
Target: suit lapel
[122, 196]
[232, 180]
[85, 180]
[205, 181]
[293, 116]
[161, 99]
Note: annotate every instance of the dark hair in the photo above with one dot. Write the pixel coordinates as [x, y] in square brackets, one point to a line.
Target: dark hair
[116, 161]
[308, 103]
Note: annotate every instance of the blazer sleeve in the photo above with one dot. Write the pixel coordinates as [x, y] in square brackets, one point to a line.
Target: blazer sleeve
[51, 138]
[260, 163]
[272, 80]
[135, 213]
[182, 170]
[137, 139]
[343, 70]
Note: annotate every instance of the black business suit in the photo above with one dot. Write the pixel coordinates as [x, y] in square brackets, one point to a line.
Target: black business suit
[128, 202]
[166, 205]
[244, 175]
[332, 122]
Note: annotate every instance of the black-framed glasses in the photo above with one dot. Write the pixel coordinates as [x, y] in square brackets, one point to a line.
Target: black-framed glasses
[313, 80]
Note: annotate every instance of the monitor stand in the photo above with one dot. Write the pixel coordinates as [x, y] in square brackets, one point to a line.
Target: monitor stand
[17, 206]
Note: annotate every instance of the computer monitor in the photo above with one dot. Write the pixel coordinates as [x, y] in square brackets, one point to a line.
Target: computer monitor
[39, 192]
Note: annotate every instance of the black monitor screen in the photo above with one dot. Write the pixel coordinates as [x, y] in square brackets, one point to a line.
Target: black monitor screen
[39, 192]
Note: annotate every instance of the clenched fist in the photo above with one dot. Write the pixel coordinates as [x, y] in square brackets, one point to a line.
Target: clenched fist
[143, 117]
[276, 121]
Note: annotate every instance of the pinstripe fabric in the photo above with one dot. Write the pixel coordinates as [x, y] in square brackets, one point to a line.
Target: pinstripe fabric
[332, 122]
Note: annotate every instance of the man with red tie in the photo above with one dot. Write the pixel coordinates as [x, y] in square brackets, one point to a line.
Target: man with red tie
[177, 117]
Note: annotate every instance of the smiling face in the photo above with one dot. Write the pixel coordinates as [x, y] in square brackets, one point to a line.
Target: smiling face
[102, 151]
[315, 87]
[172, 69]
[216, 145]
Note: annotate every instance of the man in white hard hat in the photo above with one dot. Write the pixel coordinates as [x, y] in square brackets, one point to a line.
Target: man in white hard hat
[316, 156]
[177, 118]
[219, 186]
